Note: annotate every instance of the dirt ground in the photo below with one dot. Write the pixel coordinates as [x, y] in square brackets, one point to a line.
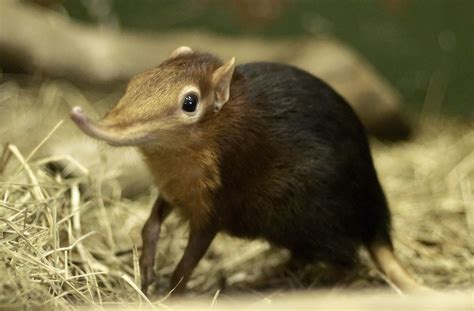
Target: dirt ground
[74, 240]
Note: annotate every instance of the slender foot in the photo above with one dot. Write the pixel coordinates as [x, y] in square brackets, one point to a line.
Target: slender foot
[198, 243]
[150, 236]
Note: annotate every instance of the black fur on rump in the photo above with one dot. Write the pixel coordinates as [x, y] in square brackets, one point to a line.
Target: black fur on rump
[300, 173]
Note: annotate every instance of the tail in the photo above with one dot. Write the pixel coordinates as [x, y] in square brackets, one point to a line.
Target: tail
[383, 256]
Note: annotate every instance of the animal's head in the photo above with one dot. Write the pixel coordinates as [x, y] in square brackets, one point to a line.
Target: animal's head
[165, 103]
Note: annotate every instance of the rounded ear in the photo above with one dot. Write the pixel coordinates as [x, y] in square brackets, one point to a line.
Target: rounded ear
[182, 50]
[221, 79]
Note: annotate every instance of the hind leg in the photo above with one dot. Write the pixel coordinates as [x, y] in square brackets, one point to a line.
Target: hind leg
[324, 267]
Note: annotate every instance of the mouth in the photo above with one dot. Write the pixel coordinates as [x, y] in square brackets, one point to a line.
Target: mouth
[102, 130]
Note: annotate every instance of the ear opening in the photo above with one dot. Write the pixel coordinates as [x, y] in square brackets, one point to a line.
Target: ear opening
[182, 50]
[221, 79]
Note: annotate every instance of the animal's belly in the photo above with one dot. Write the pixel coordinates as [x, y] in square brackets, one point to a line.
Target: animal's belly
[305, 238]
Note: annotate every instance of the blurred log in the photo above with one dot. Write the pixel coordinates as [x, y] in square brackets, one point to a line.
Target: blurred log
[257, 13]
[40, 40]
[46, 3]
[376, 103]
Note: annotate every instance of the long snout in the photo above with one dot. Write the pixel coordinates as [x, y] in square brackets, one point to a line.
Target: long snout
[83, 122]
[106, 132]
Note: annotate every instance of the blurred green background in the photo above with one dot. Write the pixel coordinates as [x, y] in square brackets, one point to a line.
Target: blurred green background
[411, 42]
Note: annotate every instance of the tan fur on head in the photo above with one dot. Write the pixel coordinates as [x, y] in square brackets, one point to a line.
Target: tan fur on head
[151, 114]
[182, 50]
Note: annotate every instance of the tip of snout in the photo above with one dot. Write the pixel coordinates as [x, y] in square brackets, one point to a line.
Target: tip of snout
[102, 130]
[77, 115]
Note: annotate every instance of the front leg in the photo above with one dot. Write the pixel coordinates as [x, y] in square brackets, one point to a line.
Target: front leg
[198, 243]
[150, 235]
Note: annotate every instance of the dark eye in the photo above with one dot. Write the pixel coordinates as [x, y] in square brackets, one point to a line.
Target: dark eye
[190, 103]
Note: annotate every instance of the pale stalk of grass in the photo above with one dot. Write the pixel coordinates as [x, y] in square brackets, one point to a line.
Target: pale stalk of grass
[68, 217]
[104, 219]
[85, 275]
[137, 289]
[90, 289]
[75, 199]
[10, 208]
[97, 288]
[63, 157]
[129, 270]
[136, 268]
[36, 188]
[9, 183]
[6, 154]
[90, 262]
[48, 136]
[214, 299]
[26, 200]
[71, 246]
[55, 232]
[5, 196]
[23, 162]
